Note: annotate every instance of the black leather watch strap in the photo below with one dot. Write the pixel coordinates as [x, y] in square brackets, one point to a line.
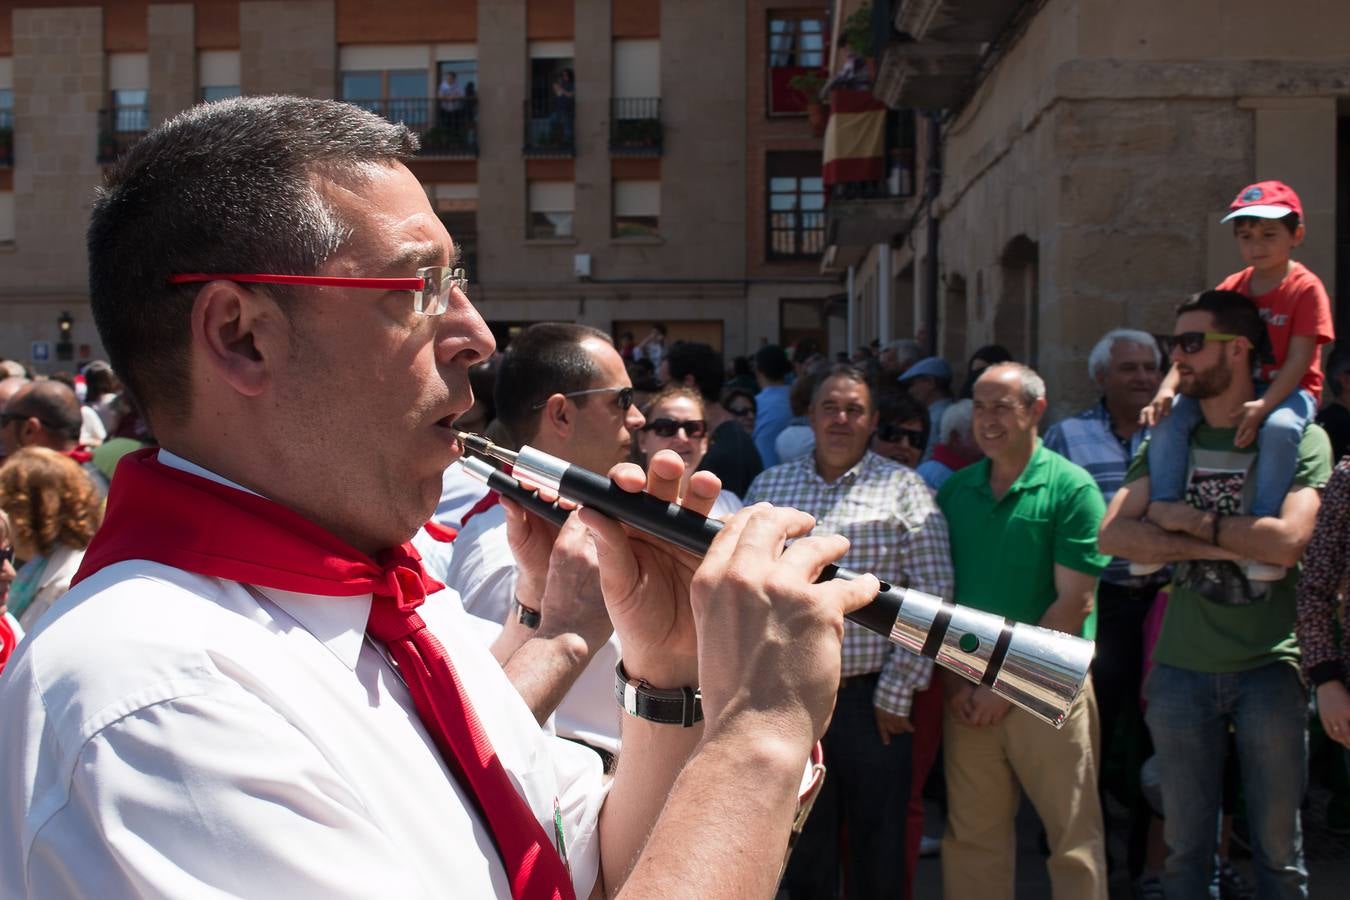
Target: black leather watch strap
[682, 706]
[528, 617]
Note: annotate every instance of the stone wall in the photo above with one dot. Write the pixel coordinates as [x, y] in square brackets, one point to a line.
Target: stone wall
[58, 90]
[288, 47]
[173, 59]
[1105, 148]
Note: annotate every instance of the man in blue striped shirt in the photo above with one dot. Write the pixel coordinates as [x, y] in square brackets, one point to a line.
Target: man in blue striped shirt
[1103, 439]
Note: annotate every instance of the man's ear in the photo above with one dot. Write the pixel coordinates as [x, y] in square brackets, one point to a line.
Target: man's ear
[30, 430]
[239, 335]
[557, 417]
[1038, 410]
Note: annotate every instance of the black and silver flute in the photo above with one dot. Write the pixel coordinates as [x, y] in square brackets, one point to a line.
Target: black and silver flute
[1037, 669]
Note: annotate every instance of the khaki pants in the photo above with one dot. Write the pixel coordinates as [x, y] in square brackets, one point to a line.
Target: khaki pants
[1058, 771]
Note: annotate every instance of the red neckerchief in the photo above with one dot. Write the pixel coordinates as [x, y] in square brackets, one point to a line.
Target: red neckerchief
[485, 502]
[443, 533]
[165, 515]
[80, 454]
[7, 641]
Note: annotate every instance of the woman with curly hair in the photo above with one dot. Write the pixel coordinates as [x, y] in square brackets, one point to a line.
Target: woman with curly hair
[54, 509]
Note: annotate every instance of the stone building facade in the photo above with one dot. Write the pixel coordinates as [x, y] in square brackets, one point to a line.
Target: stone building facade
[696, 259]
[1088, 150]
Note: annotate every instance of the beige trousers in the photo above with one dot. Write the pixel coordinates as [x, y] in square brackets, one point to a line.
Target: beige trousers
[1058, 771]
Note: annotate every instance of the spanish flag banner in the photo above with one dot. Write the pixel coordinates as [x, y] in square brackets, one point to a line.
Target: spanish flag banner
[855, 138]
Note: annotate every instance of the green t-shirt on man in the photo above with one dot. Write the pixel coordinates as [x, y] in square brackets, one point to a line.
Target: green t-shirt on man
[1004, 550]
[1217, 621]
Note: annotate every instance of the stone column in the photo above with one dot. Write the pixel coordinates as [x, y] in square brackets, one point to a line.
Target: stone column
[594, 53]
[58, 90]
[171, 29]
[288, 47]
[502, 72]
[703, 106]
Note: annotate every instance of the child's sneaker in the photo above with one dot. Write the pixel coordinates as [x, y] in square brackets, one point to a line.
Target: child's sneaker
[1140, 568]
[1266, 572]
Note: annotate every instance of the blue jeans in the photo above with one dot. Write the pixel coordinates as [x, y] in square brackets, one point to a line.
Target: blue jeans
[1277, 446]
[1189, 714]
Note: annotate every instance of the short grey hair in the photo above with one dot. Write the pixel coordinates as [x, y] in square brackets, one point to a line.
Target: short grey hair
[1100, 357]
[1033, 385]
[956, 418]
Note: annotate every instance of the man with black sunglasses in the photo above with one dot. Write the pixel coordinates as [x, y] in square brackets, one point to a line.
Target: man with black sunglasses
[561, 388]
[1226, 657]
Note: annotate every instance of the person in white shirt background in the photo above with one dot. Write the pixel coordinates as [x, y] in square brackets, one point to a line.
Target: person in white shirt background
[561, 388]
[173, 734]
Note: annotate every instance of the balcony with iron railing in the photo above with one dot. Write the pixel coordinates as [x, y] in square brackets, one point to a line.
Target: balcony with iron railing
[444, 128]
[873, 209]
[635, 127]
[550, 124]
[6, 138]
[119, 128]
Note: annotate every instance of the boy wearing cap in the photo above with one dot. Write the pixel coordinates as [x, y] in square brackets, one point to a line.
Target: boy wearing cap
[1267, 221]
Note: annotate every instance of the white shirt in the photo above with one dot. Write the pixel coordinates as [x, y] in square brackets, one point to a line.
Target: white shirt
[92, 430]
[173, 735]
[483, 571]
[725, 505]
[459, 493]
[57, 573]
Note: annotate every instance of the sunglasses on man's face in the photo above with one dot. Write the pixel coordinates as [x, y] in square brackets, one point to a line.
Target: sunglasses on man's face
[1194, 341]
[892, 434]
[668, 428]
[623, 396]
[741, 412]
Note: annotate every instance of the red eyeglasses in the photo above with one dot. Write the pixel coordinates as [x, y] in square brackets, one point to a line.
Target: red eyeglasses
[430, 288]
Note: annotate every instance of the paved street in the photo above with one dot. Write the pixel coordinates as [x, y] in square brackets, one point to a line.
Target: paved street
[1328, 859]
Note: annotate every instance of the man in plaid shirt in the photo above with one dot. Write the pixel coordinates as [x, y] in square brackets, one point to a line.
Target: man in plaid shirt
[897, 533]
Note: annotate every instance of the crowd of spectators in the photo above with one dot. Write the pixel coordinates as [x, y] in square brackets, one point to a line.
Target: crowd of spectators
[1214, 600]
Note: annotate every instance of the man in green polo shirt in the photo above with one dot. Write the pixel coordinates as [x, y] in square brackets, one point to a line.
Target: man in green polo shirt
[1023, 529]
[1226, 657]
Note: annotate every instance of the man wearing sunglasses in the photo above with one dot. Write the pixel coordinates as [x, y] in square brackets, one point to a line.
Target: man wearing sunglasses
[253, 689]
[561, 388]
[1226, 656]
